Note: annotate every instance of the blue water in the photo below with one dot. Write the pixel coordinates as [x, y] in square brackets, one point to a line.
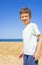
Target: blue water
[11, 40]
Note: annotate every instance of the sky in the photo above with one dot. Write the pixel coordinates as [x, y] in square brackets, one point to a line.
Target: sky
[11, 26]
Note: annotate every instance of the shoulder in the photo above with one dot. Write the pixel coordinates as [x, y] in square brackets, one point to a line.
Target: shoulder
[33, 24]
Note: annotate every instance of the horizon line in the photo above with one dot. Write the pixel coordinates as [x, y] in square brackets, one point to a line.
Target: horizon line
[11, 40]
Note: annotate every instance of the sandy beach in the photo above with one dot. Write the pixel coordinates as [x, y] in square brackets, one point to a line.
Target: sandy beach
[9, 52]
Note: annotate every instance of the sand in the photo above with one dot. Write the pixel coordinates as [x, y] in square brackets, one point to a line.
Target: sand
[9, 52]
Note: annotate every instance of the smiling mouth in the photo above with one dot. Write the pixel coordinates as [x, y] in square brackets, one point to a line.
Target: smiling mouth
[24, 20]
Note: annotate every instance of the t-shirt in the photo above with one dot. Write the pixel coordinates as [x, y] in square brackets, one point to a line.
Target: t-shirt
[29, 36]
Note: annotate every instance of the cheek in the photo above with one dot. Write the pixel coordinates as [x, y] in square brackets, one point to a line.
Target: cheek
[22, 19]
[25, 18]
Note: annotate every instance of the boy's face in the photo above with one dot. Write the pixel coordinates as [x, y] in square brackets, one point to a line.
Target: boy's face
[25, 18]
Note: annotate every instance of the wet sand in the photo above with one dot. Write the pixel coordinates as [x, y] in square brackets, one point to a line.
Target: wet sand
[9, 52]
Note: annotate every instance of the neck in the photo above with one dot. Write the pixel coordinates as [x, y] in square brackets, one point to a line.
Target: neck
[27, 23]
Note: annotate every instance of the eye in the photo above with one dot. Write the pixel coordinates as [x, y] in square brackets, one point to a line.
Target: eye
[25, 16]
[22, 17]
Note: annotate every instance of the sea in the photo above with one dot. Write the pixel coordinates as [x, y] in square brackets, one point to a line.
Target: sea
[11, 40]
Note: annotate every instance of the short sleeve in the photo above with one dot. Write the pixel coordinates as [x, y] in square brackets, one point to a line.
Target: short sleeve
[36, 29]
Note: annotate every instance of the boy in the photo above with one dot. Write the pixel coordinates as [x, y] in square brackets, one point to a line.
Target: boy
[30, 34]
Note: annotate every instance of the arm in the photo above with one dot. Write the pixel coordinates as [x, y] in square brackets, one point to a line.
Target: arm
[21, 54]
[37, 53]
[37, 34]
[39, 43]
